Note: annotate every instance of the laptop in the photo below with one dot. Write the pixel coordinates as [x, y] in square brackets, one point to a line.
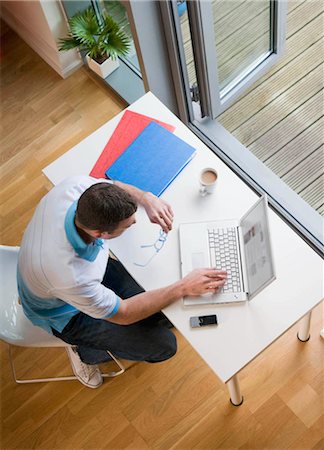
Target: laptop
[241, 247]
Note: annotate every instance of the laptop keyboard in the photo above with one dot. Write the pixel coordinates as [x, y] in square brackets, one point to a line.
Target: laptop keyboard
[223, 253]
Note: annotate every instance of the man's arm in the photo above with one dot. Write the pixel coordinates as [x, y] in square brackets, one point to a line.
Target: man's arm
[198, 282]
[157, 209]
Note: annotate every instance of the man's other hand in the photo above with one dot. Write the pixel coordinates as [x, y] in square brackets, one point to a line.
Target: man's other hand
[158, 211]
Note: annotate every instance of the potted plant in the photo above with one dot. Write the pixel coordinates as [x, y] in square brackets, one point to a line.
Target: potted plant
[103, 42]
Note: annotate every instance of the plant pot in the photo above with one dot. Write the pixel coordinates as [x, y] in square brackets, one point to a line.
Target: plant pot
[104, 69]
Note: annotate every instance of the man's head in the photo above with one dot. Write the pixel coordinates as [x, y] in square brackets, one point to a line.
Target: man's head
[105, 210]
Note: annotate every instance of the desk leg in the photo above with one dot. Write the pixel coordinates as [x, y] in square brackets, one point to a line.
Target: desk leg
[234, 391]
[303, 334]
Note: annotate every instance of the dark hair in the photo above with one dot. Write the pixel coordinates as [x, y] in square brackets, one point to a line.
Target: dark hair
[103, 206]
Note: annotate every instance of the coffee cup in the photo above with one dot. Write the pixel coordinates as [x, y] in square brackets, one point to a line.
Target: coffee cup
[207, 181]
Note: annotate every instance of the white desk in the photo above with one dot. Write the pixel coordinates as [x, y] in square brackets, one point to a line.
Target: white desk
[244, 330]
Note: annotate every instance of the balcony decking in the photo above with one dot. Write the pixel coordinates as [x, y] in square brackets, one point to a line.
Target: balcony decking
[280, 118]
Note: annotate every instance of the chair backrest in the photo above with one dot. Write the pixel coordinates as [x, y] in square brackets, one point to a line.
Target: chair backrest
[15, 328]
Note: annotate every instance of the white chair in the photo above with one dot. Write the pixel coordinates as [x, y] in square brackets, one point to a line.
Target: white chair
[15, 328]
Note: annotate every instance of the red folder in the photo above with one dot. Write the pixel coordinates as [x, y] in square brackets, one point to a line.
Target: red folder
[130, 126]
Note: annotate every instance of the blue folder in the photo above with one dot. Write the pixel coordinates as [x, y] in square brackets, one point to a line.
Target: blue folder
[152, 160]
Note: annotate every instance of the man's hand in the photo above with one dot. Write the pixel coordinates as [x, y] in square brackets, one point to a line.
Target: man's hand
[158, 211]
[197, 282]
[202, 281]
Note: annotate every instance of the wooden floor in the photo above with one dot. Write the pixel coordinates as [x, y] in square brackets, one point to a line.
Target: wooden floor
[43, 116]
[280, 118]
[179, 404]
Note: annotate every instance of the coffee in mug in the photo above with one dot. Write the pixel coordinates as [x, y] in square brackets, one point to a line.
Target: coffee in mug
[207, 180]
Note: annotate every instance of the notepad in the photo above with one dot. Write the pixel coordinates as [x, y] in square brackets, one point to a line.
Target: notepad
[153, 160]
[129, 127]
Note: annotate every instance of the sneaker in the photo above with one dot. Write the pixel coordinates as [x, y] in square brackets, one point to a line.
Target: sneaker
[89, 375]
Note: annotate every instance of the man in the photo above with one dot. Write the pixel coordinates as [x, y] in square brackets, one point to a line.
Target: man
[69, 286]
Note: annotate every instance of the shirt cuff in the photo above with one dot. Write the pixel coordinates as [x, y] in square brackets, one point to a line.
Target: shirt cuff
[116, 307]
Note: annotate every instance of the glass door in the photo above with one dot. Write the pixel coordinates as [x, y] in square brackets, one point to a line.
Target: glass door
[243, 38]
[257, 111]
[228, 45]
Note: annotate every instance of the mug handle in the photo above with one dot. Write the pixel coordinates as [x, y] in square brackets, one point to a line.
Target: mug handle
[203, 191]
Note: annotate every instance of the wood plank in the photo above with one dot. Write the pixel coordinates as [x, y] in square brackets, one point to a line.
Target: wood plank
[194, 425]
[312, 439]
[210, 432]
[320, 209]
[233, 67]
[293, 72]
[271, 370]
[279, 425]
[222, 8]
[242, 15]
[255, 131]
[15, 425]
[289, 127]
[317, 383]
[26, 133]
[291, 5]
[288, 156]
[295, 46]
[245, 37]
[302, 15]
[18, 204]
[129, 438]
[306, 172]
[314, 194]
[297, 393]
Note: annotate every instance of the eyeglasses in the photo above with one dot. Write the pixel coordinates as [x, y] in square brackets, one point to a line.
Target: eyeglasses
[157, 245]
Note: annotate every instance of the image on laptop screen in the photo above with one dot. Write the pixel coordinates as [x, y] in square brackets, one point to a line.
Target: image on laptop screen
[257, 248]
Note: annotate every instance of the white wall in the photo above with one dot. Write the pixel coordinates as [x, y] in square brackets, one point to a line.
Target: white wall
[40, 23]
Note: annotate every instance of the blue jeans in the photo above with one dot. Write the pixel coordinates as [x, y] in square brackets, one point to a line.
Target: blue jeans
[147, 340]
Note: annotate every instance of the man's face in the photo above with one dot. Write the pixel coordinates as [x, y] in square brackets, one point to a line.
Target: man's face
[122, 226]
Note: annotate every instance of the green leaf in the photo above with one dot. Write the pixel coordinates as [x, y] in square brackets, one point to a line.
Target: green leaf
[98, 40]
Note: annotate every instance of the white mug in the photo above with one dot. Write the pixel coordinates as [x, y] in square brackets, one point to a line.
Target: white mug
[207, 181]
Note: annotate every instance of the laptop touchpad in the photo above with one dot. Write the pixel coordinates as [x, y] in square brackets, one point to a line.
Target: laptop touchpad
[198, 260]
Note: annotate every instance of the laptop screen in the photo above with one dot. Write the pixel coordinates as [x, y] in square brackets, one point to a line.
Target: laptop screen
[257, 247]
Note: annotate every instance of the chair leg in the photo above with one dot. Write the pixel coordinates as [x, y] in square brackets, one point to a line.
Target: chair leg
[119, 364]
[44, 380]
[33, 380]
